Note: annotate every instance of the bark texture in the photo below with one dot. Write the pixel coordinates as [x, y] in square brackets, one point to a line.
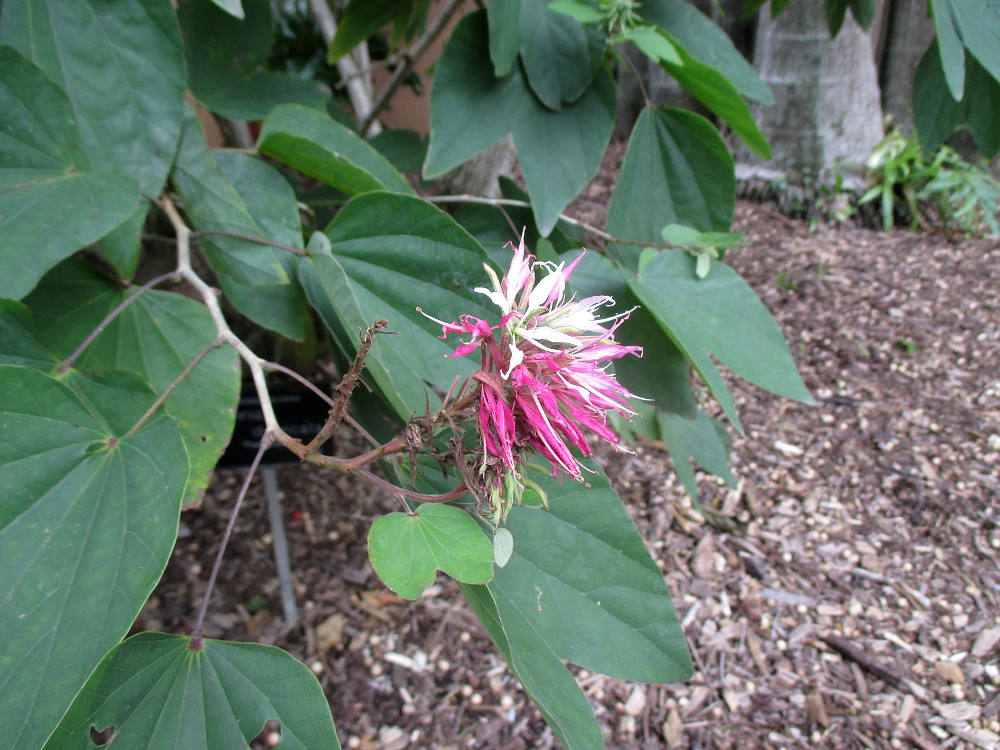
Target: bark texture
[827, 116]
[909, 32]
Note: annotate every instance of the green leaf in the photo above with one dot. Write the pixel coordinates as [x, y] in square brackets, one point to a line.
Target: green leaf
[504, 18]
[87, 206]
[560, 56]
[406, 550]
[935, 113]
[978, 23]
[122, 68]
[471, 109]
[536, 666]
[983, 97]
[700, 438]
[577, 9]
[254, 95]
[863, 12]
[391, 254]
[503, 545]
[835, 11]
[560, 152]
[581, 580]
[158, 690]
[662, 373]
[722, 316]
[653, 44]
[676, 170]
[360, 20]
[715, 91]
[708, 44]
[20, 342]
[317, 145]
[405, 149]
[226, 57]
[950, 48]
[86, 527]
[252, 274]
[155, 338]
[44, 174]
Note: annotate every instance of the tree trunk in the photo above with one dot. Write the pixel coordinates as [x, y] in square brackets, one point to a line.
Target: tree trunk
[909, 33]
[827, 117]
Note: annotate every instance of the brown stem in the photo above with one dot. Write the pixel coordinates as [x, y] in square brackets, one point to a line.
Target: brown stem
[346, 387]
[409, 60]
[445, 498]
[68, 362]
[196, 637]
[170, 388]
[248, 238]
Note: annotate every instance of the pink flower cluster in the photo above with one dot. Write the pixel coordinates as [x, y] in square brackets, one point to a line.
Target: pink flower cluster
[542, 383]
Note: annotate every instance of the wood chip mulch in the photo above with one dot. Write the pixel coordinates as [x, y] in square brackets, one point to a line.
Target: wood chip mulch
[845, 595]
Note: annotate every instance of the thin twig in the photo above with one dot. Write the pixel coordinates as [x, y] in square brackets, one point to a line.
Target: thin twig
[346, 387]
[410, 58]
[305, 381]
[170, 388]
[68, 362]
[196, 636]
[500, 202]
[210, 297]
[275, 367]
[447, 497]
[203, 232]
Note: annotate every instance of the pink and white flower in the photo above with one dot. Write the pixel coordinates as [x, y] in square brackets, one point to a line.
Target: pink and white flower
[544, 383]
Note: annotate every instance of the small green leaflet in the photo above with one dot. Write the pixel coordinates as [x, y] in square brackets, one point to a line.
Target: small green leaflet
[407, 549]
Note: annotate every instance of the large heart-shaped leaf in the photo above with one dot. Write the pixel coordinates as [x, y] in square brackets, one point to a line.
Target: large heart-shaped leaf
[471, 109]
[978, 24]
[935, 113]
[44, 173]
[251, 274]
[319, 146]
[581, 580]
[121, 65]
[677, 170]
[560, 55]
[559, 152]
[950, 48]
[504, 18]
[20, 342]
[226, 55]
[542, 673]
[87, 523]
[157, 690]
[407, 549]
[720, 315]
[155, 338]
[392, 254]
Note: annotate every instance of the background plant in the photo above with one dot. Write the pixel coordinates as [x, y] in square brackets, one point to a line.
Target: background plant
[942, 189]
[119, 395]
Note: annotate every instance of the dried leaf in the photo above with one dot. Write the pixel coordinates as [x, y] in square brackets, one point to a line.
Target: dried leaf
[330, 633]
[950, 672]
[673, 729]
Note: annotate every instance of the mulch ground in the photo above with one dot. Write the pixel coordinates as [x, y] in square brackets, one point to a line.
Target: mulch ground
[845, 595]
